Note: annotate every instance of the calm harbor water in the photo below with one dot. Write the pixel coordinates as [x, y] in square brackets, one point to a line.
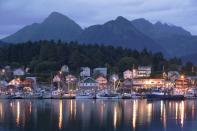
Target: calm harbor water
[98, 115]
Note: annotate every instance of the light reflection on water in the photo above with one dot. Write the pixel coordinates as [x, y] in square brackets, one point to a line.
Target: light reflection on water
[88, 115]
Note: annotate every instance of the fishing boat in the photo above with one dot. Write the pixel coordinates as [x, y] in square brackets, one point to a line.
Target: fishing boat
[46, 95]
[18, 95]
[5, 96]
[108, 94]
[126, 96]
[159, 95]
[37, 95]
[68, 95]
[132, 95]
[28, 95]
[190, 94]
[56, 94]
[85, 95]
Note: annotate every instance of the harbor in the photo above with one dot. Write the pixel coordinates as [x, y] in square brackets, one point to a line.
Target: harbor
[135, 84]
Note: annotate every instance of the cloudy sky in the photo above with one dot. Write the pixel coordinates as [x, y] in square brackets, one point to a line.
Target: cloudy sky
[17, 13]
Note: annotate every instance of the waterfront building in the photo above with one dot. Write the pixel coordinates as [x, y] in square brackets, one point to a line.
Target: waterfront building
[128, 74]
[102, 81]
[182, 83]
[148, 83]
[30, 82]
[85, 72]
[15, 82]
[100, 71]
[127, 85]
[144, 71]
[88, 84]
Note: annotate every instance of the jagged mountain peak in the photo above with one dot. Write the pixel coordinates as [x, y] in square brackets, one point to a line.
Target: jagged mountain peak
[55, 18]
[55, 27]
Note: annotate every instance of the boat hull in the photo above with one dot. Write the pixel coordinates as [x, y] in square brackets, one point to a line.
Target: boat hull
[164, 97]
[85, 97]
[108, 96]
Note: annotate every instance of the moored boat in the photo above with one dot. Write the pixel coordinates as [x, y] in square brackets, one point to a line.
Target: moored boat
[190, 94]
[68, 96]
[163, 96]
[47, 95]
[5, 96]
[85, 95]
[107, 94]
[18, 95]
[56, 94]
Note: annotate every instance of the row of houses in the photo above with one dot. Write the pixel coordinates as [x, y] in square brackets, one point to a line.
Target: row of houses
[102, 82]
[134, 78]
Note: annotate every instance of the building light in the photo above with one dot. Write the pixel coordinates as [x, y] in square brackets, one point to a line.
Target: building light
[182, 77]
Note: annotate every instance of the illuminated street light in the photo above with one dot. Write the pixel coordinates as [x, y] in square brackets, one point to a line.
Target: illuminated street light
[182, 77]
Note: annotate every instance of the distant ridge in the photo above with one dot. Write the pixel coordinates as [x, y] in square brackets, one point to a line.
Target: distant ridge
[118, 32]
[175, 40]
[136, 34]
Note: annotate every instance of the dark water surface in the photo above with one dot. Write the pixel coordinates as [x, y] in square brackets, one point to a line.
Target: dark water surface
[98, 115]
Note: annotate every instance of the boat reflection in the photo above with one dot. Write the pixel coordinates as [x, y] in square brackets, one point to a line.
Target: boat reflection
[135, 108]
[60, 115]
[182, 113]
[18, 113]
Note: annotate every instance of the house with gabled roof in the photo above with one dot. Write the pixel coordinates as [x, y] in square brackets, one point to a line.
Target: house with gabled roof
[88, 83]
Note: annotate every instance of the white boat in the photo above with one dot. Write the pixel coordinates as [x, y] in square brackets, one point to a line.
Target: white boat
[68, 96]
[85, 95]
[107, 94]
[37, 95]
[28, 95]
[4, 96]
[190, 94]
[56, 94]
[18, 95]
[130, 96]
[46, 95]
[126, 96]
[136, 95]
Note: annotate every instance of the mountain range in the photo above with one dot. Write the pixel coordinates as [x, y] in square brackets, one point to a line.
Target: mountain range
[136, 34]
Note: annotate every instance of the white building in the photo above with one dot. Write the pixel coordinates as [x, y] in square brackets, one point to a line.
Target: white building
[144, 71]
[85, 72]
[88, 83]
[128, 74]
[19, 72]
[148, 83]
[101, 71]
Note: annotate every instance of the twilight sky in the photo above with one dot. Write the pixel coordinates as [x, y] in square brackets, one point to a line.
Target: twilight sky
[15, 14]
